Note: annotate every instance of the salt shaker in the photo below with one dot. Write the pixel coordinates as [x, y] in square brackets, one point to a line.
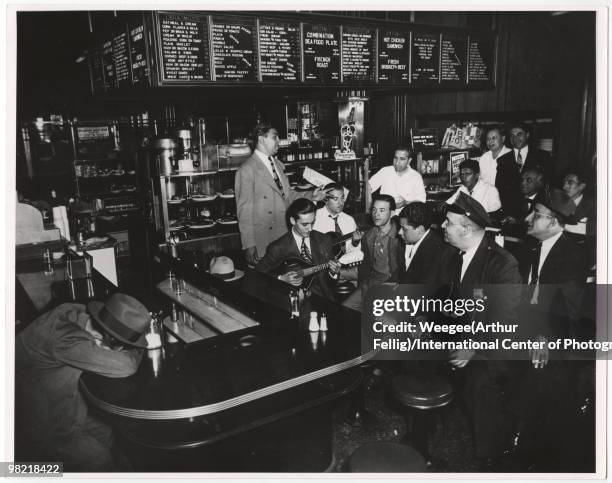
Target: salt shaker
[313, 326]
[323, 324]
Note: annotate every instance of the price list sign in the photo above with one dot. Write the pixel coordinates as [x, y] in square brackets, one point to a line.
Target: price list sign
[358, 57]
[425, 61]
[233, 44]
[184, 41]
[321, 44]
[481, 60]
[96, 73]
[121, 58]
[279, 51]
[393, 56]
[108, 64]
[138, 54]
[453, 58]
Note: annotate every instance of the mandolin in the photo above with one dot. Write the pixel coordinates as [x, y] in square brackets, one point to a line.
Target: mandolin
[338, 240]
[306, 270]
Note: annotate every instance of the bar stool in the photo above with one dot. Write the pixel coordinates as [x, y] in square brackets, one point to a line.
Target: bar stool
[421, 394]
[386, 457]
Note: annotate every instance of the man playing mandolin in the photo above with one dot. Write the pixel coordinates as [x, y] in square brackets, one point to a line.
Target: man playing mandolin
[305, 250]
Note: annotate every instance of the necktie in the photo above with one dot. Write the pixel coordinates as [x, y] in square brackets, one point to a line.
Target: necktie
[305, 252]
[275, 176]
[534, 282]
[460, 266]
[519, 159]
[336, 226]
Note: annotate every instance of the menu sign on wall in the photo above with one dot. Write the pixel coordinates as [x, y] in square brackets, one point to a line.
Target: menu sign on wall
[453, 58]
[108, 65]
[358, 54]
[279, 51]
[425, 58]
[96, 73]
[321, 44]
[233, 44]
[138, 54]
[393, 56]
[481, 60]
[121, 58]
[184, 47]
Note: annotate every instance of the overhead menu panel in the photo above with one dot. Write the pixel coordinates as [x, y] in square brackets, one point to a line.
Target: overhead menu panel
[453, 58]
[184, 47]
[233, 44]
[425, 60]
[121, 59]
[393, 56]
[108, 66]
[279, 51]
[481, 60]
[138, 52]
[96, 72]
[321, 46]
[358, 54]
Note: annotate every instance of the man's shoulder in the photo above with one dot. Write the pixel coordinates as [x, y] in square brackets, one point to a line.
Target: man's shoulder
[320, 238]
[249, 163]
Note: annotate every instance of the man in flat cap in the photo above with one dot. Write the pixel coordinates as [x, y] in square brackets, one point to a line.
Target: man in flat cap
[471, 184]
[52, 422]
[479, 266]
[554, 268]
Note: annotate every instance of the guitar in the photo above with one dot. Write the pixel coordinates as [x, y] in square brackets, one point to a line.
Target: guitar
[306, 270]
[338, 240]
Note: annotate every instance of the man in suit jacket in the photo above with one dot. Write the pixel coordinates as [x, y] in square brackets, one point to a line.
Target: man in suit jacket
[302, 242]
[526, 156]
[584, 231]
[426, 255]
[478, 267]
[263, 194]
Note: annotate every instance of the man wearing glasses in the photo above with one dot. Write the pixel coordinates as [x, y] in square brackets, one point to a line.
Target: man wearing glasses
[331, 219]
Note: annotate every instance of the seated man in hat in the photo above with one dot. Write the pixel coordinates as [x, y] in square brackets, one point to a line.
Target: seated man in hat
[478, 267]
[471, 184]
[303, 243]
[52, 420]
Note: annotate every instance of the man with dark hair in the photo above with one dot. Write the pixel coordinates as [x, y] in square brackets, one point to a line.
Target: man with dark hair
[471, 184]
[383, 252]
[263, 194]
[526, 156]
[532, 188]
[52, 420]
[426, 255]
[574, 185]
[403, 183]
[303, 243]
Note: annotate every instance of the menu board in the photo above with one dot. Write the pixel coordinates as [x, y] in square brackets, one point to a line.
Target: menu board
[453, 58]
[393, 56]
[279, 51]
[184, 47]
[481, 60]
[358, 55]
[321, 44]
[233, 43]
[96, 72]
[138, 53]
[108, 66]
[425, 59]
[121, 58]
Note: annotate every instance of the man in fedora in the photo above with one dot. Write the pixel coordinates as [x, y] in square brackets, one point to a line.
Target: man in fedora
[52, 422]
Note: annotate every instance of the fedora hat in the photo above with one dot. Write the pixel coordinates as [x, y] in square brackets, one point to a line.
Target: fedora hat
[123, 317]
[223, 267]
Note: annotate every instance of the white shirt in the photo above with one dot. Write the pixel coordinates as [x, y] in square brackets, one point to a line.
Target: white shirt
[524, 150]
[468, 256]
[486, 194]
[266, 162]
[298, 241]
[488, 165]
[545, 250]
[324, 223]
[409, 184]
[412, 249]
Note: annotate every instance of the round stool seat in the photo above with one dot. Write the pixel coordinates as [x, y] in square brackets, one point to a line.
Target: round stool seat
[422, 390]
[386, 457]
[344, 287]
